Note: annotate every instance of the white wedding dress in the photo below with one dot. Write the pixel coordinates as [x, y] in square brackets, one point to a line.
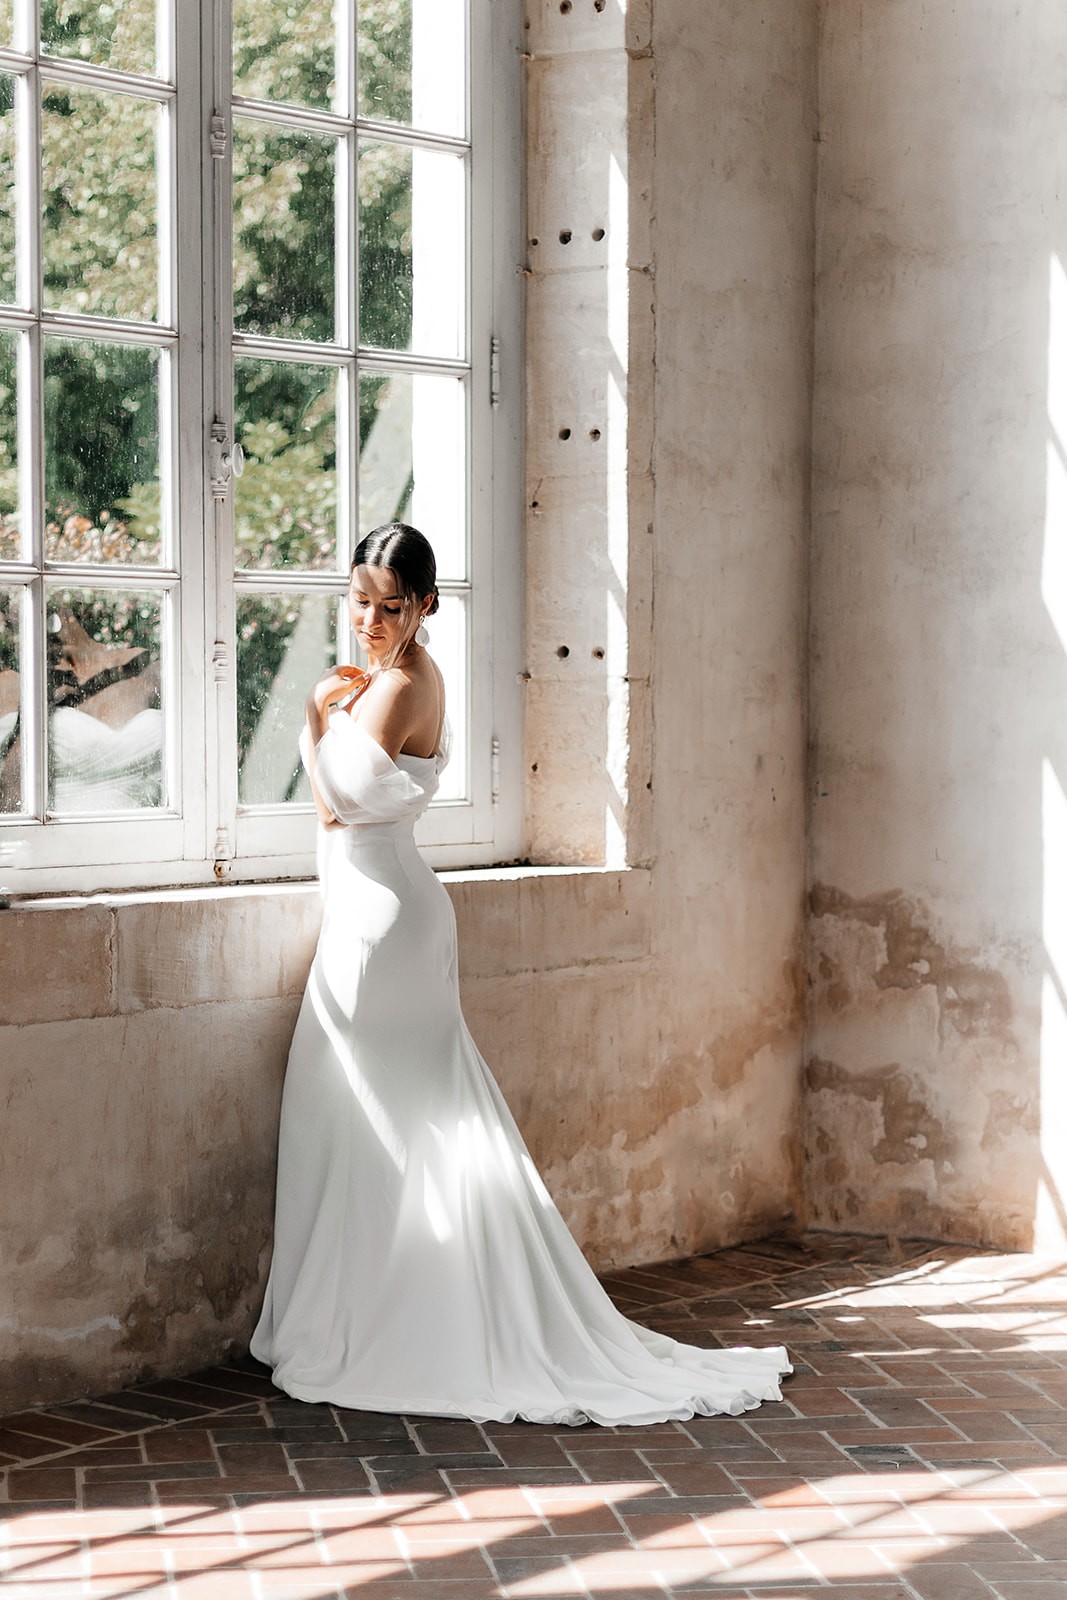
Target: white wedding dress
[419, 1263]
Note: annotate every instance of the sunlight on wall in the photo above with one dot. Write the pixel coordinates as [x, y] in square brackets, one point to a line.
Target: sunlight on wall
[1051, 1219]
[1054, 553]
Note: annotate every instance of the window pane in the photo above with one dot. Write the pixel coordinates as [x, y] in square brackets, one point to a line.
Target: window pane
[284, 643]
[7, 188]
[101, 430]
[284, 250]
[9, 478]
[412, 460]
[7, 22]
[412, 63]
[411, 249]
[284, 50]
[105, 722]
[10, 765]
[99, 177]
[285, 502]
[448, 646]
[112, 33]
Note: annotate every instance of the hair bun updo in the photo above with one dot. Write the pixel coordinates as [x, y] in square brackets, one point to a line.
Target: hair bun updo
[407, 553]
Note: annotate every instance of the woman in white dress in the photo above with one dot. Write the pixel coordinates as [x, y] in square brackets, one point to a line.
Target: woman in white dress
[419, 1263]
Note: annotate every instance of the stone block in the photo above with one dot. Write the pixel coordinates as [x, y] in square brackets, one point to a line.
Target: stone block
[524, 921]
[578, 200]
[55, 963]
[198, 947]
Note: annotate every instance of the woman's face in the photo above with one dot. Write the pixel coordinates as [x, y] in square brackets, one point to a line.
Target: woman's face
[376, 605]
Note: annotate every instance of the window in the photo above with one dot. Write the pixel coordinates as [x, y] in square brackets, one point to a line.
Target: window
[256, 273]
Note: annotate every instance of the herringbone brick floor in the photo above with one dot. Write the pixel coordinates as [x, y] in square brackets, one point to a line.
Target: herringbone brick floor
[919, 1453]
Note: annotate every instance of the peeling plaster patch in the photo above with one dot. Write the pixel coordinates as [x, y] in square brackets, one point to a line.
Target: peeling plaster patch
[910, 1131]
[973, 999]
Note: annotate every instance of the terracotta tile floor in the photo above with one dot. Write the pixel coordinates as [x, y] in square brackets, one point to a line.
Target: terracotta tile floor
[920, 1453]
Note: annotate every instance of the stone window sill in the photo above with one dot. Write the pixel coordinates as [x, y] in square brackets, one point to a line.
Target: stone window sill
[98, 955]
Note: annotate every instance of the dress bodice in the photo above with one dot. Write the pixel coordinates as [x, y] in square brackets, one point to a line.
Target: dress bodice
[362, 785]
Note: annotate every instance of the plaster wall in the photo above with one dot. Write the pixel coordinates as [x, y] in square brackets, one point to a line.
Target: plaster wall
[936, 1046]
[644, 1020]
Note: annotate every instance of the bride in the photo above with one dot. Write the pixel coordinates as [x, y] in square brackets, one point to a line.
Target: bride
[419, 1263]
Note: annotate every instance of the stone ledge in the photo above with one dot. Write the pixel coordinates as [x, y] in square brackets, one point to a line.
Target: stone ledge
[118, 954]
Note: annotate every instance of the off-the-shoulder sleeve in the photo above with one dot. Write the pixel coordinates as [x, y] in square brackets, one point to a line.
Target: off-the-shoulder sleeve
[355, 777]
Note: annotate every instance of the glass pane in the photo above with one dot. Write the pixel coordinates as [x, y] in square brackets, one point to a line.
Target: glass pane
[284, 50]
[105, 722]
[285, 502]
[283, 249]
[100, 201]
[7, 22]
[10, 542]
[10, 764]
[412, 234]
[412, 63]
[101, 441]
[284, 642]
[448, 646]
[412, 460]
[7, 188]
[112, 33]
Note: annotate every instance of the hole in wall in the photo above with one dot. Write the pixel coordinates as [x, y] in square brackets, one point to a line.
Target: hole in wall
[564, 651]
[535, 505]
[594, 434]
[564, 433]
[534, 243]
[598, 653]
[533, 766]
[598, 5]
[598, 234]
[564, 6]
[565, 236]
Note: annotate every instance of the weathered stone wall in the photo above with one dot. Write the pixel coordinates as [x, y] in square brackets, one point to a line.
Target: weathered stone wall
[935, 1081]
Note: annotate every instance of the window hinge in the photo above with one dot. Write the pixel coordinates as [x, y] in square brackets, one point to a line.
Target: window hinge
[218, 137]
[494, 769]
[494, 370]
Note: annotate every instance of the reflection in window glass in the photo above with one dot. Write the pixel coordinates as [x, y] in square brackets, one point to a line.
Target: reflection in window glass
[283, 260]
[105, 721]
[120, 34]
[284, 50]
[9, 478]
[10, 763]
[412, 211]
[411, 63]
[412, 460]
[101, 433]
[285, 502]
[284, 643]
[100, 200]
[7, 188]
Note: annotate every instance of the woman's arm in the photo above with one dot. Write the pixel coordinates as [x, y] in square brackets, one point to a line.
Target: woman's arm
[335, 685]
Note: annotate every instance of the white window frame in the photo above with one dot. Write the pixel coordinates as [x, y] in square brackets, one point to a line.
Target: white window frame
[208, 837]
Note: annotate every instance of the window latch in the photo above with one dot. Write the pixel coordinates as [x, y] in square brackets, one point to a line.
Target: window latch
[226, 460]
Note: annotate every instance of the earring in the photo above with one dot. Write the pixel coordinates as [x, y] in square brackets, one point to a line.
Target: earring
[422, 636]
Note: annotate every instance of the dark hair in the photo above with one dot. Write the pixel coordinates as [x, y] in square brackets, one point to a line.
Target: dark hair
[406, 553]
